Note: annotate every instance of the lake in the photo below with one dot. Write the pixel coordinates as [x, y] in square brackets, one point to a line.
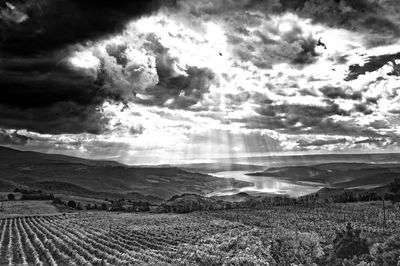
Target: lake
[264, 184]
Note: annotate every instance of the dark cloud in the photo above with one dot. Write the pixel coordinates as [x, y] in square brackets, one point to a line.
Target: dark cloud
[43, 81]
[40, 91]
[64, 117]
[395, 111]
[296, 111]
[295, 46]
[291, 118]
[307, 120]
[201, 7]
[53, 24]
[371, 100]
[373, 17]
[340, 93]
[237, 100]
[308, 54]
[118, 52]
[373, 63]
[378, 142]
[356, 15]
[184, 90]
[379, 124]
[378, 19]
[362, 108]
[13, 138]
[43, 94]
[12, 14]
[136, 130]
[176, 88]
[330, 126]
[317, 143]
[307, 92]
[360, 15]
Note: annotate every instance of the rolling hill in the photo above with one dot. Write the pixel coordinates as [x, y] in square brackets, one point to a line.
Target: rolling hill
[337, 175]
[71, 175]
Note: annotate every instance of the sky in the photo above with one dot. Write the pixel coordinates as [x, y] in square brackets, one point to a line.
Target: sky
[153, 82]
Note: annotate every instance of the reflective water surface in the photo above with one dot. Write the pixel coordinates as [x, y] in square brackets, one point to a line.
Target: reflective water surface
[265, 184]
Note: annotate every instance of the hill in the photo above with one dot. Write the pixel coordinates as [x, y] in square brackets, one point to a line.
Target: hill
[190, 202]
[313, 159]
[337, 175]
[59, 173]
[238, 197]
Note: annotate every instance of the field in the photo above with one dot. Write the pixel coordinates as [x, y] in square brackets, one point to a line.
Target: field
[275, 236]
[323, 219]
[26, 208]
[105, 239]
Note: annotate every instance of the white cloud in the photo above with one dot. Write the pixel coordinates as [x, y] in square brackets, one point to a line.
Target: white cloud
[261, 61]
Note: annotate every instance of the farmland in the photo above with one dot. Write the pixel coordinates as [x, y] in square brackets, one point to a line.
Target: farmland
[273, 236]
[26, 208]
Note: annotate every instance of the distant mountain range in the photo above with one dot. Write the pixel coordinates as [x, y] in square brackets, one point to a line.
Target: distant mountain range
[100, 179]
[312, 159]
[258, 163]
[219, 167]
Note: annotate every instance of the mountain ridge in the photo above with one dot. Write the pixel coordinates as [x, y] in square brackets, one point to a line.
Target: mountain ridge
[337, 175]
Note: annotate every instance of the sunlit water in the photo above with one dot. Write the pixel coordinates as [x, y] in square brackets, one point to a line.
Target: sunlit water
[265, 184]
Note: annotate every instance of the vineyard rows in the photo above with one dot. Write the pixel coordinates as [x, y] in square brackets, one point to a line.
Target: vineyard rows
[324, 219]
[95, 240]
[231, 237]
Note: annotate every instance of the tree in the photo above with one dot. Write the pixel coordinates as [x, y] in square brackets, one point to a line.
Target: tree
[395, 186]
[104, 206]
[11, 196]
[395, 190]
[71, 204]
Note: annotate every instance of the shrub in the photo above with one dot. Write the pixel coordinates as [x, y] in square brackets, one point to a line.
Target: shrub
[239, 246]
[349, 243]
[104, 207]
[395, 186]
[11, 196]
[387, 253]
[291, 248]
[79, 206]
[58, 201]
[71, 204]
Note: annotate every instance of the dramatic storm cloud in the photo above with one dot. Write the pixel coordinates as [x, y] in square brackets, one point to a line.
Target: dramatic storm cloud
[166, 81]
[40, 91]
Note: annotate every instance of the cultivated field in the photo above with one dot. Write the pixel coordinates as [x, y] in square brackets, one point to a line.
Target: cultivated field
[323, 219]
[277, 236]
[26, 208]
[106, 239]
